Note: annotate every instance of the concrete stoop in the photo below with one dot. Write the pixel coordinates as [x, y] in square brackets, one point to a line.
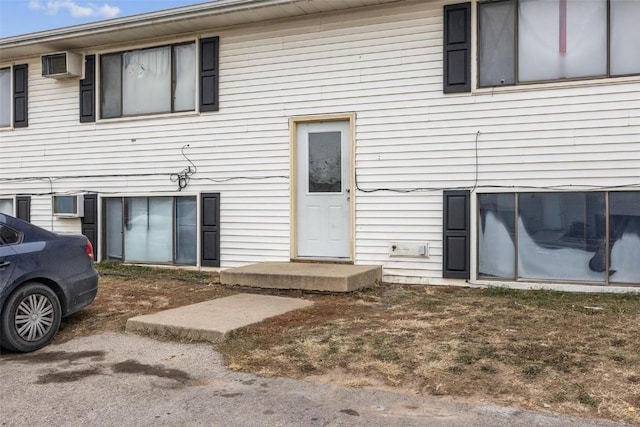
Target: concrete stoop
[213, 320]
[304, 276]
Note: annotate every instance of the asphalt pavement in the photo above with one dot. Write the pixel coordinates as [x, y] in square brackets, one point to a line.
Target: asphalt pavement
[128, 380]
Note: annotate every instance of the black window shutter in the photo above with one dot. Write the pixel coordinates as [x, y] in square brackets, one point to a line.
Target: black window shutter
[88, 91]
[456, 235]
[20, 93]
[23, 208]
[209, 49]
[90, 221]
[210, 250]
[457, 48]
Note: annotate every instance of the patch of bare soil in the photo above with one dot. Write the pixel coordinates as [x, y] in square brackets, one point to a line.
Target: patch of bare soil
[569, 353]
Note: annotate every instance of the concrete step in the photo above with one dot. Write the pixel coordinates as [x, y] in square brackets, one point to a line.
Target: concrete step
[213, 320]
[305, 276]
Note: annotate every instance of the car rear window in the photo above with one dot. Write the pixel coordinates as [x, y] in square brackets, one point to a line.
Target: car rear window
[9, 236]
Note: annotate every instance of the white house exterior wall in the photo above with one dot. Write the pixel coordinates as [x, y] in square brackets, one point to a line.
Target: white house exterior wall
[385, 65]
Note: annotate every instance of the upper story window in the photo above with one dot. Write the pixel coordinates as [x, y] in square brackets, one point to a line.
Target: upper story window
[523, 41]
[148, 81]
[5, 97]
[13, 97]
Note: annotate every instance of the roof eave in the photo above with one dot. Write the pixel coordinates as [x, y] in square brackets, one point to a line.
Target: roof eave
[215, 7]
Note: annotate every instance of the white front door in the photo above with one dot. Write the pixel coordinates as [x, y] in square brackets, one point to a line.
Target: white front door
[323, 220]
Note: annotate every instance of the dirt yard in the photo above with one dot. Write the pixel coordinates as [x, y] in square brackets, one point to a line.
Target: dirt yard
[560, 352]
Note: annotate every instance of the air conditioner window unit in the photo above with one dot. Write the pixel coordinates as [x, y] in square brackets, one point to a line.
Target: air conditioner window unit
[68, 206]
[62, 65]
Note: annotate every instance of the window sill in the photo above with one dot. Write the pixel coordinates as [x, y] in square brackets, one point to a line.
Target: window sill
[560, 84]
[563, 286]
[159, 116]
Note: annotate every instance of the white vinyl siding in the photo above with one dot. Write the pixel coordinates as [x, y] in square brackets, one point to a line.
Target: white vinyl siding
[384, 64]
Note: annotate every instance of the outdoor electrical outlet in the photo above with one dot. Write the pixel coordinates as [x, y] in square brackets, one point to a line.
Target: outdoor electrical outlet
[408, 249]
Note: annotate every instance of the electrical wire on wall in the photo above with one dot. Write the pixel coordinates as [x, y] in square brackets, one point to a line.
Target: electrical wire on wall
[475, 182]
[183, 177]
[426, 189]
[473, 188]
[51, 191]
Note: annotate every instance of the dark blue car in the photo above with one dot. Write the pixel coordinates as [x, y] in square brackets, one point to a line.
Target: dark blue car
[44, 277]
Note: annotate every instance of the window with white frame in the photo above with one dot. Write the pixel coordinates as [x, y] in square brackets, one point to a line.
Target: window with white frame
[5, 97]
[523, 41]
[6, 206]
[148, 81]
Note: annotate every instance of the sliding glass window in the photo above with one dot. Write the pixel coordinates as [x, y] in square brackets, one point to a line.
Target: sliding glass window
[525, 41]
[148, 81]
[160, 230]
[560, 236]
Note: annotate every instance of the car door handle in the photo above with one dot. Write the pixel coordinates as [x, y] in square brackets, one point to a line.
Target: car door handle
[4, 264]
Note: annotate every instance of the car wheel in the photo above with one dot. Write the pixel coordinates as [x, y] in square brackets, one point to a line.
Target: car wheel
[30, 318]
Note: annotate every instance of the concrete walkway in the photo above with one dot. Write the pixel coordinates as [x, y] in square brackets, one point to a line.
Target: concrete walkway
[324, 277]
[213, 320]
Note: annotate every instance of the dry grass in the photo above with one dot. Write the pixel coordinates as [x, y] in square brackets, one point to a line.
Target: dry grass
[535, 349]
[539, 350]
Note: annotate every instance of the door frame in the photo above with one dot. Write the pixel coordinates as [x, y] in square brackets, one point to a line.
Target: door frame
[293, 220]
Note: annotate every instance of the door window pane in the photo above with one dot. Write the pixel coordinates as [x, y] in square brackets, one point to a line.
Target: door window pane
[561, 236]
[185, 83]
[625, 34]
[496, 236]
[624, 237]
[111, 84]
[561, 39]
[114, 229]
[5, 97]
[497, 43]
[146, 81]
[152, 229]
[148, 234]
[325, 162]
[185, 245]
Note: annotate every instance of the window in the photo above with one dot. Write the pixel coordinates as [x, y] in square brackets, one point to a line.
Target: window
[148, 81]
[69, 206]
[325, 162]
[522, 41]
[560, 236]
[158, 230]
[6, 206]
[13, 97]
[9, 236]
[5, 97]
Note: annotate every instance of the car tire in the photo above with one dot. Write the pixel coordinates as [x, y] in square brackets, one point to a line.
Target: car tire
[30, 318]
